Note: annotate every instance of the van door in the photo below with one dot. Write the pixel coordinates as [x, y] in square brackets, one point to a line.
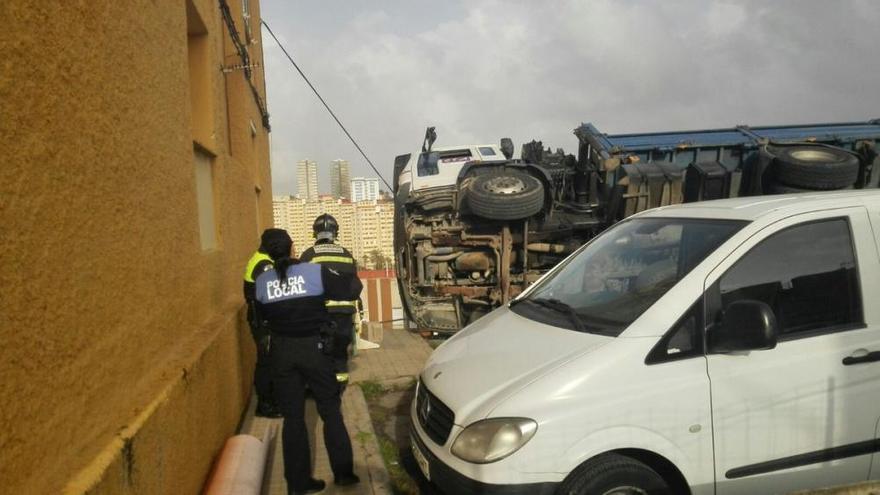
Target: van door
[874, 212]
[802, 414]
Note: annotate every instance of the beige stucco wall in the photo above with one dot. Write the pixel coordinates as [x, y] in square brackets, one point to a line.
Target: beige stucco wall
[125, 361]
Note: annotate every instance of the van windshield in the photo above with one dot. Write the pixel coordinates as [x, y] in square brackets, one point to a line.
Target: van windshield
[622, 272]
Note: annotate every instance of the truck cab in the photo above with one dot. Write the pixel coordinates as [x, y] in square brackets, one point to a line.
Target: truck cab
[440, 167]
[473, 226]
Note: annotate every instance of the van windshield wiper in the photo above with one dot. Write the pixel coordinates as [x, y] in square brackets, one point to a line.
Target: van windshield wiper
[561, 307]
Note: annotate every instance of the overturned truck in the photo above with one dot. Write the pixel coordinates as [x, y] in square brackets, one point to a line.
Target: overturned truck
[473, 226]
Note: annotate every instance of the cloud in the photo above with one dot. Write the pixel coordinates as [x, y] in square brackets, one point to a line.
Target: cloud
[485, 69]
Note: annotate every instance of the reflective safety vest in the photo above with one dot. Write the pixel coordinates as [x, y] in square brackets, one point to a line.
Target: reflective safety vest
[338, 258]
[252, 263]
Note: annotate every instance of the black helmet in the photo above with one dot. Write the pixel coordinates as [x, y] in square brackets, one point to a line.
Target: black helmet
[325, 227]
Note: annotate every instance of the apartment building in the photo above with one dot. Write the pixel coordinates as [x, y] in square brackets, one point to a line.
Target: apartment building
[307, 179]
[374, 231]
[364, 227]
[340, 179]
[364, 189]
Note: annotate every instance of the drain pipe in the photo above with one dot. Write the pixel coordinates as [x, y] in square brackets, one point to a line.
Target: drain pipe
[241, 466]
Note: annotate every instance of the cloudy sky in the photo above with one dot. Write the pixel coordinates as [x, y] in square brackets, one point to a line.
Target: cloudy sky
[480, 70]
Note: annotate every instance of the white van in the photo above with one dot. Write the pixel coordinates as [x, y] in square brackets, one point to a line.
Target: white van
[725, 347]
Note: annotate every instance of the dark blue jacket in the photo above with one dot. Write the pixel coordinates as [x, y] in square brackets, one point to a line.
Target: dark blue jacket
[294, 306]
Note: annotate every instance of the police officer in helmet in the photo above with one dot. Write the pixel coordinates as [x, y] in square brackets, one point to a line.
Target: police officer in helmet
[328, 253]
[291, 299]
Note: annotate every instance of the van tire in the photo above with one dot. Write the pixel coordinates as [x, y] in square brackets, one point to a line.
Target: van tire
[605, 473]
[816, 167]
[505, 195]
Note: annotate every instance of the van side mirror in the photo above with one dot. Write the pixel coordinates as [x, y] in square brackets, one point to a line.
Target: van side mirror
[746, 325]
[430, 137]
[507, 147]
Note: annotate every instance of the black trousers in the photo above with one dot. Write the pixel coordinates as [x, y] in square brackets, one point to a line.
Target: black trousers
[297, 362]
[262, 372]
[342, 339]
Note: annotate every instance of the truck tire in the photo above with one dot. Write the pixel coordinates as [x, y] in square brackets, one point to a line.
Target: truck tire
[505, 195]
[614, 474]
[777, 188]
[816, 167]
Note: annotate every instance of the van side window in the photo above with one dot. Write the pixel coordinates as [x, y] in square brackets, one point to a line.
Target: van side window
[684, 340]
[807, 274]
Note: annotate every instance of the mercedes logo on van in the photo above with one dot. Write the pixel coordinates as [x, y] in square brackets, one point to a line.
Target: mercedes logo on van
[425, 410]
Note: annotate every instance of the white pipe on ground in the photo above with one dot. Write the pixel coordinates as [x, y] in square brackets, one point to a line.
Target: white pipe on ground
[240, 468]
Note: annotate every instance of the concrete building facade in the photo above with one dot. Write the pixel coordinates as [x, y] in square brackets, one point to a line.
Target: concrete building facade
[307, 179]
[296, 215]
[363, 227]
[135, 183]
[340, 179]
[364, 189]
[374, 231]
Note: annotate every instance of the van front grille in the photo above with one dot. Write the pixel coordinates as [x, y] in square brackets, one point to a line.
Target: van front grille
[433, 415]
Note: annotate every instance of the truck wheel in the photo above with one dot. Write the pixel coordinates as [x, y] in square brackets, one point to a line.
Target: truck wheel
[816, 167]
[505, 195]
[614, 474]
[778, 188]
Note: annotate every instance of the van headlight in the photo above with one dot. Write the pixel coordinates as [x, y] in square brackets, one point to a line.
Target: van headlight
[491, 440]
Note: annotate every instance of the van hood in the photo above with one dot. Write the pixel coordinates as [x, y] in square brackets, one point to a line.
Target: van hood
[490, 360]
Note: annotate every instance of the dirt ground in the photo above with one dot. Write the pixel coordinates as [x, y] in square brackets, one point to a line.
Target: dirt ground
[389, 403]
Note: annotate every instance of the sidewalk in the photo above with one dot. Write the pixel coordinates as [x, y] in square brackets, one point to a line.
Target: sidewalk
[401, 354]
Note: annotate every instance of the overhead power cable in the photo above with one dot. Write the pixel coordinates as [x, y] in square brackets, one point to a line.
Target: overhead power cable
[306, 79]
[241, 48]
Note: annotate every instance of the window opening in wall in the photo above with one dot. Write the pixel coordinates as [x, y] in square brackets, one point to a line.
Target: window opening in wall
[200, 94]
[205, 199]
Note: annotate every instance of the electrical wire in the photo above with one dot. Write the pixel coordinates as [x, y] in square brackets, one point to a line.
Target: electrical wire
[306, 79]
[245, 61]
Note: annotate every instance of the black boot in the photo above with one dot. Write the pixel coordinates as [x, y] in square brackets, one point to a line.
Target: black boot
[348, 479]
[266, 409]
[314, 486]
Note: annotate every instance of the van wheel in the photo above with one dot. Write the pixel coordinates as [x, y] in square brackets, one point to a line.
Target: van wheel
[816, 167]
[505, 195]
[614, 474]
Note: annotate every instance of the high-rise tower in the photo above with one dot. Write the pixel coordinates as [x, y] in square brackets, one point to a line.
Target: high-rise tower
[307, 179]
[340, 179]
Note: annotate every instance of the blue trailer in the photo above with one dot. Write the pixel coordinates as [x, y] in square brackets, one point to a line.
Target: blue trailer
[632, 172]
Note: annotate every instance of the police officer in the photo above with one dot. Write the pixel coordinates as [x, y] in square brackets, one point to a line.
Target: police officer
[291, 299]
[272, 241]
[328, 253]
